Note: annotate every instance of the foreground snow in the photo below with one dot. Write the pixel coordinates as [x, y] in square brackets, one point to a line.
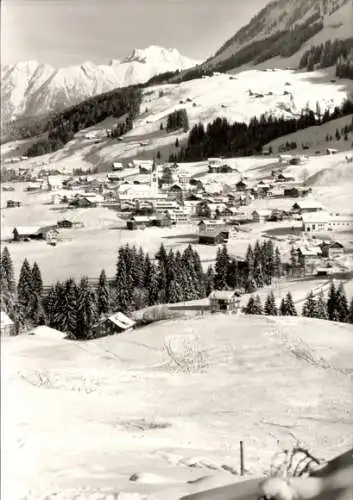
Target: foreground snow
[94, 414]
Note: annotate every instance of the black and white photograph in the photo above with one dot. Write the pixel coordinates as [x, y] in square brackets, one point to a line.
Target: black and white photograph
[176, 263]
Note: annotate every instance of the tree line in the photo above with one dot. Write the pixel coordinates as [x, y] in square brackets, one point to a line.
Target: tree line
[337, 53]
[62, 127]
[76, 307]
[334, 308]
[178, 120]
[241, 139]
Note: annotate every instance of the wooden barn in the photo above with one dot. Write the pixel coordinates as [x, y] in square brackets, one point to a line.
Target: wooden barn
[225, 301]
[216, 237]
[114, 324]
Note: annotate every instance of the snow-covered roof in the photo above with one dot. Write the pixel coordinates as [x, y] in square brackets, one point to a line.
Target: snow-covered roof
[309, 251]
[122, 321]
[5, 320]
[302, 204]
[47, 332]
[224, 294]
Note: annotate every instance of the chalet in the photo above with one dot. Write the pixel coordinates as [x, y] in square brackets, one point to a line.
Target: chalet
[179, 215]
[113, 177]
[162, 220]
[214, 237]
[309, 258]
[117, 167]
[66, 224]
[117, 323]
[323, 221]
[139, 222]
[276, 192]
[225, 301]
[7, 326]
[277, 215]
[86, 201]
[306, 206]
[285, 178]
[209, 225]
[219, 168]
[296, 192]
[332, 250]
[240, 219]
[241, 186]
[13, 204]
[37, 233]
[261, 216]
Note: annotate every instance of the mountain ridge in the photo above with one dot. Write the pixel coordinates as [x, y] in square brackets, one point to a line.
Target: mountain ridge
[30, 88]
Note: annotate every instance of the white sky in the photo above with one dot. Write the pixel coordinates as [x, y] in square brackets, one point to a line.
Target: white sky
[64, 32]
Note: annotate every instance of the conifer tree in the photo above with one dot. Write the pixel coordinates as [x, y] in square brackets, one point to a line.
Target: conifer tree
[332, 303]
[310, 306]
[221, 268]
[321, 307]
[290, 307]
[86, 314]
[123, 287]
[233, 275]
[342, 307]
[7, 270]
[200, 285]
[209, 280]
[350, 312]
[25, 287]
[68, 318]
[283, 307]
[37, 280]
[270, 305]
[258, 305]
[258, 276]
[151, 281]
[103, 299]
[250, 306]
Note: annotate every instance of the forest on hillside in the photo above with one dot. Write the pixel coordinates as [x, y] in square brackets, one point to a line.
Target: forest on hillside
[221, 138]
[337, 53]
[60, 128]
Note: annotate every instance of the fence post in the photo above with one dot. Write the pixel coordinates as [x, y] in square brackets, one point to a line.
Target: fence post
[241, 458]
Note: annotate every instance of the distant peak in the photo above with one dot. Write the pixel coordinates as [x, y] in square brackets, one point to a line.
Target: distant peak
[151, 52]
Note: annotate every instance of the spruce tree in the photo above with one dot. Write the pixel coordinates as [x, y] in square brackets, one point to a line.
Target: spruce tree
[209, 281]
[221, 268]
[25, 288]
[103, 299]
[310, 306]
[68, 314]
[277, 264]
[123, 287]
[7, 270]
[350, 312]
[37, 280]
[342, 307]
[270, 305]
[283, 307]
[332, 303]
[258, 305]
[290, 307]
[86, 314]
[199, 274]
[250, 307]
[321, 307]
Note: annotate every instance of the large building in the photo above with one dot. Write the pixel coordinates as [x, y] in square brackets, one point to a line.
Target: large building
[323, 221]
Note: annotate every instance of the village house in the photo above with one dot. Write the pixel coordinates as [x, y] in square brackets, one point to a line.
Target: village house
[306, 206]
[214, 237]
[332, 250]
[227, 301]
[309, 258]
[114, 324]
[7, 326]
[180, 215]
[191, 207]
[139, 222]
[117, 166]
[261, 216]
[13, 204]
[162, 220]
[285, 178]
[88, 200]
[242, 186]
[323, 221]
[36, 233]
[206, 226]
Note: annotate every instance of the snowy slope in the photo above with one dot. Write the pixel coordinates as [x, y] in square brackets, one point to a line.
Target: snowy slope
[31, 88]
[281, 15]
[91, 415]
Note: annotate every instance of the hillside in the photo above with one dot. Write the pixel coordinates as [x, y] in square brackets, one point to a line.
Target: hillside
[33, 89]
[282, 31]
[236, 98]
[84, 401]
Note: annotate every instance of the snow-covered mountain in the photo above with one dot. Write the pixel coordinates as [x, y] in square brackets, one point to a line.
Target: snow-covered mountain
[31, 89]
[285, 28]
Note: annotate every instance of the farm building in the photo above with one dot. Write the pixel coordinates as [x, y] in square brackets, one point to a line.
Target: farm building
[117, 323]
[13, 204]
[309, 258]
[261, 215]
[323, 221]
[139, 222]
[36, 233]
[332, 250]
[225, 301]
[241, 186]
[7, 326]
[214, 237]
[306, 206]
